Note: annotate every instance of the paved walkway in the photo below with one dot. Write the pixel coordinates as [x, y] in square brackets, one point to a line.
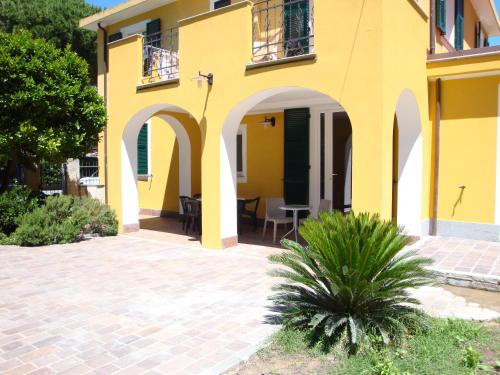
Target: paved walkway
[133, 305]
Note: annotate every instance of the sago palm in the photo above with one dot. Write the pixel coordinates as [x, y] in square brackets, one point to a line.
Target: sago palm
[351, 279]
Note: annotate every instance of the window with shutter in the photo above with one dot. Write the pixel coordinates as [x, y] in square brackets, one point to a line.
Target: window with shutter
[221, 3]
[296, 27]
[441, 15]
[241, 154]
[477, 43]
[459, 25]
[142, 151]
[114, 37]
[153, 33]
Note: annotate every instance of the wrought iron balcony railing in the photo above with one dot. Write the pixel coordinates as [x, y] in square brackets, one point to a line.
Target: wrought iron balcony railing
[282, 28]
[161, 56]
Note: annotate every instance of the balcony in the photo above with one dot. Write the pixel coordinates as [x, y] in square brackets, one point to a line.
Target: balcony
[282, 29]
[161, 56]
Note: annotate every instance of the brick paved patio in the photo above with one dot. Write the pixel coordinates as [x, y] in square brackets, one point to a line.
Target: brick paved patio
[133, 304]
[129, 306]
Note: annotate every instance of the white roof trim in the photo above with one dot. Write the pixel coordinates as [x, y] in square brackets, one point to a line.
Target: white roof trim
[121, 12]
[487, 14]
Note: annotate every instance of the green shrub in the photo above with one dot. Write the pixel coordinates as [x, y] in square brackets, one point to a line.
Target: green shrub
[13, 205]
[64, 219]
[95, 218]
[350, 281]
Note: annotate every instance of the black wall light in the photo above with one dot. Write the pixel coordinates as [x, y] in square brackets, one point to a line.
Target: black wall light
[268, 121]
[209, 77]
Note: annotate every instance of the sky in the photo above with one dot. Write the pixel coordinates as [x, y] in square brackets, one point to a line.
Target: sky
[110, 3]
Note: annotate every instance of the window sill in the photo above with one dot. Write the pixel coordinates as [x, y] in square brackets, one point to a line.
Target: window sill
[285, 60]
[241, 180]
[144, 86]
[144, 177]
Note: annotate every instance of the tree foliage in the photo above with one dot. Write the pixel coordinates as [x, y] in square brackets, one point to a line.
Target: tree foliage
[48, 110]
[351, 280]
[55, 21]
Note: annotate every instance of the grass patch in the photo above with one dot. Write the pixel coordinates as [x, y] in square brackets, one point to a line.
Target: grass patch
[445, 349]
[450, 347]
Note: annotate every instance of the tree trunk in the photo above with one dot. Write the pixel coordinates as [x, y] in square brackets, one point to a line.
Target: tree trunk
[10, 171]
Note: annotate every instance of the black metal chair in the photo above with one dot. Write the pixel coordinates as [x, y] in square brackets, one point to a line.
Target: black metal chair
[250, 212]
[182, 200]
[193, 215]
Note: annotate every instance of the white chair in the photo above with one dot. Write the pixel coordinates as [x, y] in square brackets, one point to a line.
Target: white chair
[325, 205]
[275, 215]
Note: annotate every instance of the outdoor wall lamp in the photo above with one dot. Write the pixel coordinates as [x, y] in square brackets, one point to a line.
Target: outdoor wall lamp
[271, 121]
[209, 77]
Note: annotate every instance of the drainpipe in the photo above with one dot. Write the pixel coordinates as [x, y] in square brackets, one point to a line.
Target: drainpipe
[432, 17]
[105, 94]
[433, 229]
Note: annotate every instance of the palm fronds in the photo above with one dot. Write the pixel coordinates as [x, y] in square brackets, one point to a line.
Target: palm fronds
[352, 279]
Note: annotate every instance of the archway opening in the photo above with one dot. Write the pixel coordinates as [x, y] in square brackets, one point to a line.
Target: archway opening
[161, 161]
[407, 165]
[283, 146]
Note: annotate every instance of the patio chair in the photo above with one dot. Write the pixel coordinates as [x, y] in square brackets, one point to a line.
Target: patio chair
[325, 205]
[251, 212]
[193, 215]
[275, 215]
[182, 200]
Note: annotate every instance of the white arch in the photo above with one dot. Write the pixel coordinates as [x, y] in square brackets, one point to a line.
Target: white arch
[228, 179]
[130, 196]
[410, 164]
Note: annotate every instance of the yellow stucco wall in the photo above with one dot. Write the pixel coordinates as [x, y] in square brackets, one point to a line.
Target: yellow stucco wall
[364, 61]
[265, 160]
[468, 150]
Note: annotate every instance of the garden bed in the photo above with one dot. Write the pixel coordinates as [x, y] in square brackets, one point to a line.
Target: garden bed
[442, 350]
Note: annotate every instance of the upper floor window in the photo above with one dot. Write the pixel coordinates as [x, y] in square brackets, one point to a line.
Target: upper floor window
[282, 29]
[216, 4]
[450, 21]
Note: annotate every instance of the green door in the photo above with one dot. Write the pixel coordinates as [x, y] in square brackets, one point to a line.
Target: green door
[296, 177]
[296, 27]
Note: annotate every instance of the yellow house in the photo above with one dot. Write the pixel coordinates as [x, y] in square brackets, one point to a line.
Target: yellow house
[387, 106]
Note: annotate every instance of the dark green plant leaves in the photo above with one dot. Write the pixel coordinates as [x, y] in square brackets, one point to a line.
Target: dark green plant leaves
[351, 280]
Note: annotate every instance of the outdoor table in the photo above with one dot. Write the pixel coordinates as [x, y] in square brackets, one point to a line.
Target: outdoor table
[295, 208]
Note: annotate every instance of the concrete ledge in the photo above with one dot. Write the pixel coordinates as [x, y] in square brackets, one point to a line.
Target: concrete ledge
[229, 242]
[158, 213]
[468, 280]
[474, 231]
[128, 228]
[285, 60]
[145, 86]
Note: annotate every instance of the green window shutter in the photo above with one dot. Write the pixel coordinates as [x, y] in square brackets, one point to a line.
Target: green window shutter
[296, 27]
[441, 15]
[142, 151]
[296, 156]
[486, 42]
[114, 37]
[153, 33]
[459, 25]
[477, 42]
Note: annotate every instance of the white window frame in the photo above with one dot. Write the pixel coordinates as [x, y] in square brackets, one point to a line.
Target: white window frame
[136, 28]
[450, 22]
[242, 176]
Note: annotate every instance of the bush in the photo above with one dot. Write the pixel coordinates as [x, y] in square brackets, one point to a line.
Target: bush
[64, 219]
[350, 281]
[95, 218]
[13, 205]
